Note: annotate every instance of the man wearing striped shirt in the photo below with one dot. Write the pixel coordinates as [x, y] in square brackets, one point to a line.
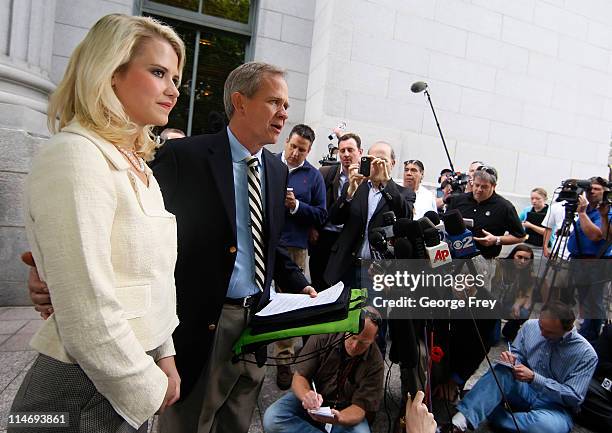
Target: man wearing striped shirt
[552, 367]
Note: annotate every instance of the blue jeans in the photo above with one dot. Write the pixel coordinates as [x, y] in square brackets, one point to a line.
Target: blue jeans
[287, 415]
[533, 414]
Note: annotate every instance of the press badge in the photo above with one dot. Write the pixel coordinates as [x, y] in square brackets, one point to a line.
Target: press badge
[607, 384]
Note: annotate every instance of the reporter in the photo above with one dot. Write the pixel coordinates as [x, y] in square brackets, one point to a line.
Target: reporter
[100, 236]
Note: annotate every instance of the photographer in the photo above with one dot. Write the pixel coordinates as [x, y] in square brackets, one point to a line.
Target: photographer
[361, 205]
[335, 177]
[493, 215]
[586, 244]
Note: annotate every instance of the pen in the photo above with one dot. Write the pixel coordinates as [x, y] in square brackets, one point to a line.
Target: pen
[509, 348]
[314, 388]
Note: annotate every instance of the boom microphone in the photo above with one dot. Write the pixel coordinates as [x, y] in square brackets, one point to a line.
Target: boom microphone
[418, 86]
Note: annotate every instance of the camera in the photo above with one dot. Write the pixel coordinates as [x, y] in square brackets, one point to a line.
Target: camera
[332, 149]
[458, 182]
[365, 165]
[571, 189]
[607, 196]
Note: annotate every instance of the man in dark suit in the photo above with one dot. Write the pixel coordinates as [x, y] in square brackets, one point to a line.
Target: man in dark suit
[335, 176]
[360, 207]
[206, 183]
[228, 195]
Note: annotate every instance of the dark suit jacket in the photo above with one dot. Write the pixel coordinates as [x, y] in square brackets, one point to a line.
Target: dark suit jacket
[196, 178]
[353, 214]
[331, 177]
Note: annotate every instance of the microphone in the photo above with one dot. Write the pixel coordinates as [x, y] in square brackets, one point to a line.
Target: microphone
[459, 238]
[403, 249]
[341, 127]
[438, 252]
[414, 233]
[380, 248]
[418, 86]
[435, 219]
[401, 227]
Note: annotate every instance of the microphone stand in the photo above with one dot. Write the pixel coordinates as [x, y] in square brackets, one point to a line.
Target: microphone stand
[440, 131]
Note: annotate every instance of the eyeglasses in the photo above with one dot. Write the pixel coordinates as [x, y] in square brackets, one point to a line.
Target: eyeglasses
[415, 162]
[375, 318]
[487, 169]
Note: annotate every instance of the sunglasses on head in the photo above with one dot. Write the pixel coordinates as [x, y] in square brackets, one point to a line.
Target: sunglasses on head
[415, 162]
[487, 169]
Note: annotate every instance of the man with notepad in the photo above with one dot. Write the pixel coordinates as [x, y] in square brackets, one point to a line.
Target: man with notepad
[337, 387]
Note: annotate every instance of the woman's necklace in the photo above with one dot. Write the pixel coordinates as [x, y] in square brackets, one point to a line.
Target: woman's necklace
[136, 161]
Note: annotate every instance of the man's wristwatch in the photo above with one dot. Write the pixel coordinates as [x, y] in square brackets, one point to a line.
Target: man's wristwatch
[498, 241]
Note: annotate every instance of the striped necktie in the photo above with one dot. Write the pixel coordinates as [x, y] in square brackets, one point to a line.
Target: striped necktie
[256, 211]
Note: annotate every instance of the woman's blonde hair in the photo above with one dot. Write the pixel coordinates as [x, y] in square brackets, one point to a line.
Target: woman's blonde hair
[540, 191]
[86, 94]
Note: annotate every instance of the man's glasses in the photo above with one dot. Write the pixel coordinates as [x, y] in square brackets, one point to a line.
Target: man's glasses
[488, 169]
[415, 162]
[375, 318]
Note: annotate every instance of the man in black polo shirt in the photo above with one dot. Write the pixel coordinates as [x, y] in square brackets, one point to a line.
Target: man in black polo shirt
[493, 215]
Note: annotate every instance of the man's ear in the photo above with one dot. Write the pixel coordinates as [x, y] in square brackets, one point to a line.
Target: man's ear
[238, 101]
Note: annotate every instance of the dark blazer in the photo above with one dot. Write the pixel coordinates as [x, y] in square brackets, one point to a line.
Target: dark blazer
[196, 178]
[353, 214]
[331, 177]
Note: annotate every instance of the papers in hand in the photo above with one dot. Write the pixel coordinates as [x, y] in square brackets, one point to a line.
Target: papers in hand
[504, 363]
[284, 302]
[322, 411]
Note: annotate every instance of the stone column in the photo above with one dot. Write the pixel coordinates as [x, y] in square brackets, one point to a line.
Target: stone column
[26, 40]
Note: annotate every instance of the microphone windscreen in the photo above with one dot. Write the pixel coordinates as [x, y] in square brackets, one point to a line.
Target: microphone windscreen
[376, 239]
[433, 217]
[418, 86]
[453, 222]
[431, 237]
[403, 249]
[425, 223]
[403, 227]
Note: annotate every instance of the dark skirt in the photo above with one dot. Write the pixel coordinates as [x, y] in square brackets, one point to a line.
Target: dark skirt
[54, 386]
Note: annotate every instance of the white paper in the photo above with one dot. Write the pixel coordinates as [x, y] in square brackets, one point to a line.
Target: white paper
[284, 302]
[322, 411]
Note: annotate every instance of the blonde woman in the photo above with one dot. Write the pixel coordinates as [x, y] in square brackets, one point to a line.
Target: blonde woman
[101, 238]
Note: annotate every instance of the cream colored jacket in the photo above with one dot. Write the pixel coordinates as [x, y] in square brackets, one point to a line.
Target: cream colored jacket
[106, 247]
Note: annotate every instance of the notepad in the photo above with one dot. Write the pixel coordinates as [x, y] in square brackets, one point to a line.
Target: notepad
[284, 302]
[322, 411]
[504, 363]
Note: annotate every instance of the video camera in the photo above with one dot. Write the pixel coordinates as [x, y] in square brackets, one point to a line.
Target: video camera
[458, 181]
[571, 189]
[332, 148]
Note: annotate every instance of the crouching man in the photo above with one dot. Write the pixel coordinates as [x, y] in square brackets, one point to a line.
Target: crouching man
[545, 378]
[346, 376]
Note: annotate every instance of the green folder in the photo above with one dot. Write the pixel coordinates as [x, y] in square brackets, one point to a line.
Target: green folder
[351, 323]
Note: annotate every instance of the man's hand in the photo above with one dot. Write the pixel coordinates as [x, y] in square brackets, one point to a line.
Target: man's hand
[379, 174]
[508, 357]
[546, 251]
[446, 391]
[290, 201]
[39, 292]
[313, 236]
[312, 400]
[523, 374]
[173, 392]
[487, 240]
[354, 180]
[582, 203]
[418, 418]
[327, 420]
[309, 290]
